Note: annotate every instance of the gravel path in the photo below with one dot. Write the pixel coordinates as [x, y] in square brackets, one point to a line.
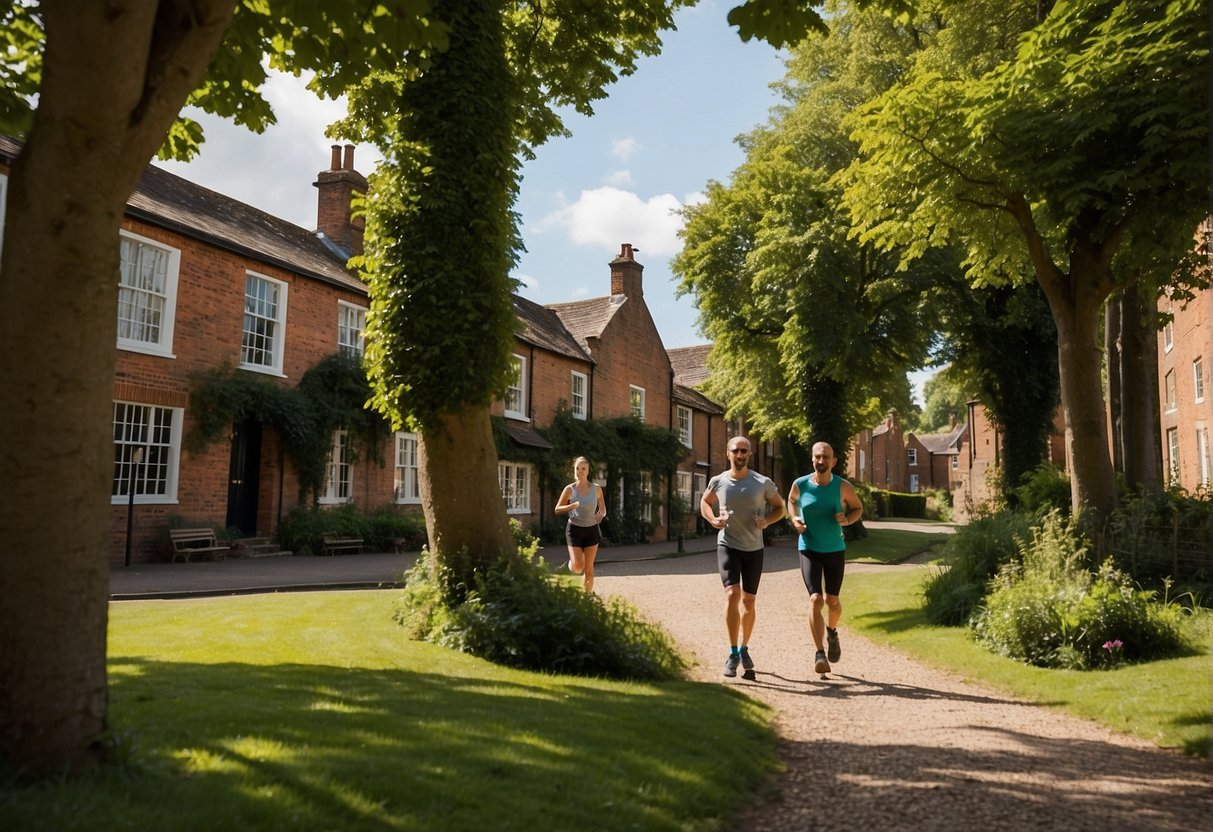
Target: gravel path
[886, 743]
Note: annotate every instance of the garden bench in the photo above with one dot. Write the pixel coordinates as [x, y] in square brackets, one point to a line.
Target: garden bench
[190, 542]
[332, 544]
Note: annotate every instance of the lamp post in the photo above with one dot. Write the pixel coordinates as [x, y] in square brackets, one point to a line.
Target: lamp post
[136, 458]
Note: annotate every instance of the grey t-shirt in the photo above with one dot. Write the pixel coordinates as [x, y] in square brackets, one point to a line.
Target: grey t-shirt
[748, 498]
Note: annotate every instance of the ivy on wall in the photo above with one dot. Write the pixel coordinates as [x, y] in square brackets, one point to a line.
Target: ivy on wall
[624, 446]
[331, 395]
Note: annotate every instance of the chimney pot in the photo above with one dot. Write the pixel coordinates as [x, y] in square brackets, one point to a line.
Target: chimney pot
[349, 157]
[336, 162]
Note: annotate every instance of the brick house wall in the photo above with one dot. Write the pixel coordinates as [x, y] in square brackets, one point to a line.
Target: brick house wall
[1185, 352]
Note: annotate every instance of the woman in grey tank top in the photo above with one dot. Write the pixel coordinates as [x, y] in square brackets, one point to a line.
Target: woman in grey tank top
[582, 501]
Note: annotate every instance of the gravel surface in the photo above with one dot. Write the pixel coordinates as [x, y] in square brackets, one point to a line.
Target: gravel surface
[884, 742]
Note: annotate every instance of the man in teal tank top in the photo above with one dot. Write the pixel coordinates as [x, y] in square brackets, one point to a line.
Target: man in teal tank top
[819, 505]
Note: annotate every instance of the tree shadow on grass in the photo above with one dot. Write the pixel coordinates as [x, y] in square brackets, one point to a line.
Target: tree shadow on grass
[239, 746]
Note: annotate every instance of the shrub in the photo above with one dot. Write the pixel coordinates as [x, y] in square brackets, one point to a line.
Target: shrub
[301, 530]
[1165, 535]
[972, 557]
[1051, 610]
[1044, 489]
[518, 614]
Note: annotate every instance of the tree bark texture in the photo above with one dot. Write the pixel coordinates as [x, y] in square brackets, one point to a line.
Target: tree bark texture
[1138, 415]
[460, 494]
[116, 75]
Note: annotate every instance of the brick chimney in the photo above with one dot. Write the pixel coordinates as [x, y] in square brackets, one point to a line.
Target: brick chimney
[337, 186]
[627, 274]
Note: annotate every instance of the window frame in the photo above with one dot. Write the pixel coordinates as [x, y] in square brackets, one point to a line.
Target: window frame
[1198, 379]
[163, 345]
[1172, 456]
[1204, 465]
[277, 339]
[344, 307]
[168, 461]
[518, 501]
[912, 456]
[1168, 334]
[338, 471]
[582, 412]
[520, 387]
[400, 479]
[636, 394]
[1171, 399]
[686, 436]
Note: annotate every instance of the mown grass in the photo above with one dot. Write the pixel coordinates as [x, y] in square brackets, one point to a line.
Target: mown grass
[312, 711]
[1166, 701]
[892, 545]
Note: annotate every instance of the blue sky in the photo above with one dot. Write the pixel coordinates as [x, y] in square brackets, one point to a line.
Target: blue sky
[649, 149]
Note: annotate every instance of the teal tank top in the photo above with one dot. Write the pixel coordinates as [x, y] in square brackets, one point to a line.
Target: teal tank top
[817, 506]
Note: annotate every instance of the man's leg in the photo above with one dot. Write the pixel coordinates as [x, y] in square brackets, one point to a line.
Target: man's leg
[817, 624]
[748, 616]
[732, 613]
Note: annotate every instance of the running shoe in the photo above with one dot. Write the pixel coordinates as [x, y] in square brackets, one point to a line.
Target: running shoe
[730, 664]
[834, 647]
[820, 664]
[747, 665]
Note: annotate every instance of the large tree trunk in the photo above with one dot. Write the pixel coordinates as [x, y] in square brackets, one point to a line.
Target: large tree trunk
[460, 493]
[1138, 418]
[115, 77]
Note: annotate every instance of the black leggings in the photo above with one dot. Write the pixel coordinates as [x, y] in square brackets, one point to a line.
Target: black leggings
[738, 567]
[817, 565]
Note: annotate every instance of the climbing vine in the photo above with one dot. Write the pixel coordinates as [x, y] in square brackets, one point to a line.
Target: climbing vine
[330, 396]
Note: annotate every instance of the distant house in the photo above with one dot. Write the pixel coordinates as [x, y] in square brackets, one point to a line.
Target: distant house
[1185, 352]
[878, 456]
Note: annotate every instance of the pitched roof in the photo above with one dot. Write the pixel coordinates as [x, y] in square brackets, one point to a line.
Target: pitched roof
[587, 319]
[693, 398]
[166, 200]
[944, 443]
[690, 364]
[542, 327]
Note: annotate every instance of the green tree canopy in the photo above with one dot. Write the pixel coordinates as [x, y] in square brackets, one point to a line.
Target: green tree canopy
[1082, 160]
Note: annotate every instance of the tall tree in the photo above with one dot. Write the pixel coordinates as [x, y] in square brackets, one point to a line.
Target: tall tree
[94, 89]
[813, 331]
[1083, 161]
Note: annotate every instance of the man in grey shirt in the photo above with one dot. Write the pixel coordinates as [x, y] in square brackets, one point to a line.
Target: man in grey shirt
[740, 503]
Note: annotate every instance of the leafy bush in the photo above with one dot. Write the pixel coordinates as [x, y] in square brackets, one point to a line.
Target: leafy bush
[1165, 535]
[1044, 489]
[301, 530]
[518, 614]
[1051, 610]
[972, 557]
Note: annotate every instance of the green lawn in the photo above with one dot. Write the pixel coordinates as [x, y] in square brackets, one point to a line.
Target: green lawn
[893, 545]
[311, 711]
[1165, 701]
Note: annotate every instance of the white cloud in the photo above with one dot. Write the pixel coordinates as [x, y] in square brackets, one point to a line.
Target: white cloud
[619, 177]
[624, 148]
[608, 216]
[579, 292]
[527, 281]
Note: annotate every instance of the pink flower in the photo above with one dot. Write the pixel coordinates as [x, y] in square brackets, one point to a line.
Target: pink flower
[1113, 645]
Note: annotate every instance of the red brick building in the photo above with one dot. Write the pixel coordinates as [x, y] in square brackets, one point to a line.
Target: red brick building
[206, 282]
[1185, 351]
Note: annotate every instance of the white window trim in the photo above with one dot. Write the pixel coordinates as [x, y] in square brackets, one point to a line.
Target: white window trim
[914, 483]
[360, 347]
[688, 439]
[508, 471]
[1198, 379]
[634, 389]
[168, 318]
[408, 500]
[3, 202]
[1170, 393]
[280, 338]
[174, 462]
[520, 412]
[1205, 465]
[686, 486]
[1168, 335]
[338, 461]
[912, 454]
[1172, 472]
[585, 395]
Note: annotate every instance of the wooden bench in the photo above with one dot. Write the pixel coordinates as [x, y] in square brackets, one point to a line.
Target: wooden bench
[190, 542]
[332, 544]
